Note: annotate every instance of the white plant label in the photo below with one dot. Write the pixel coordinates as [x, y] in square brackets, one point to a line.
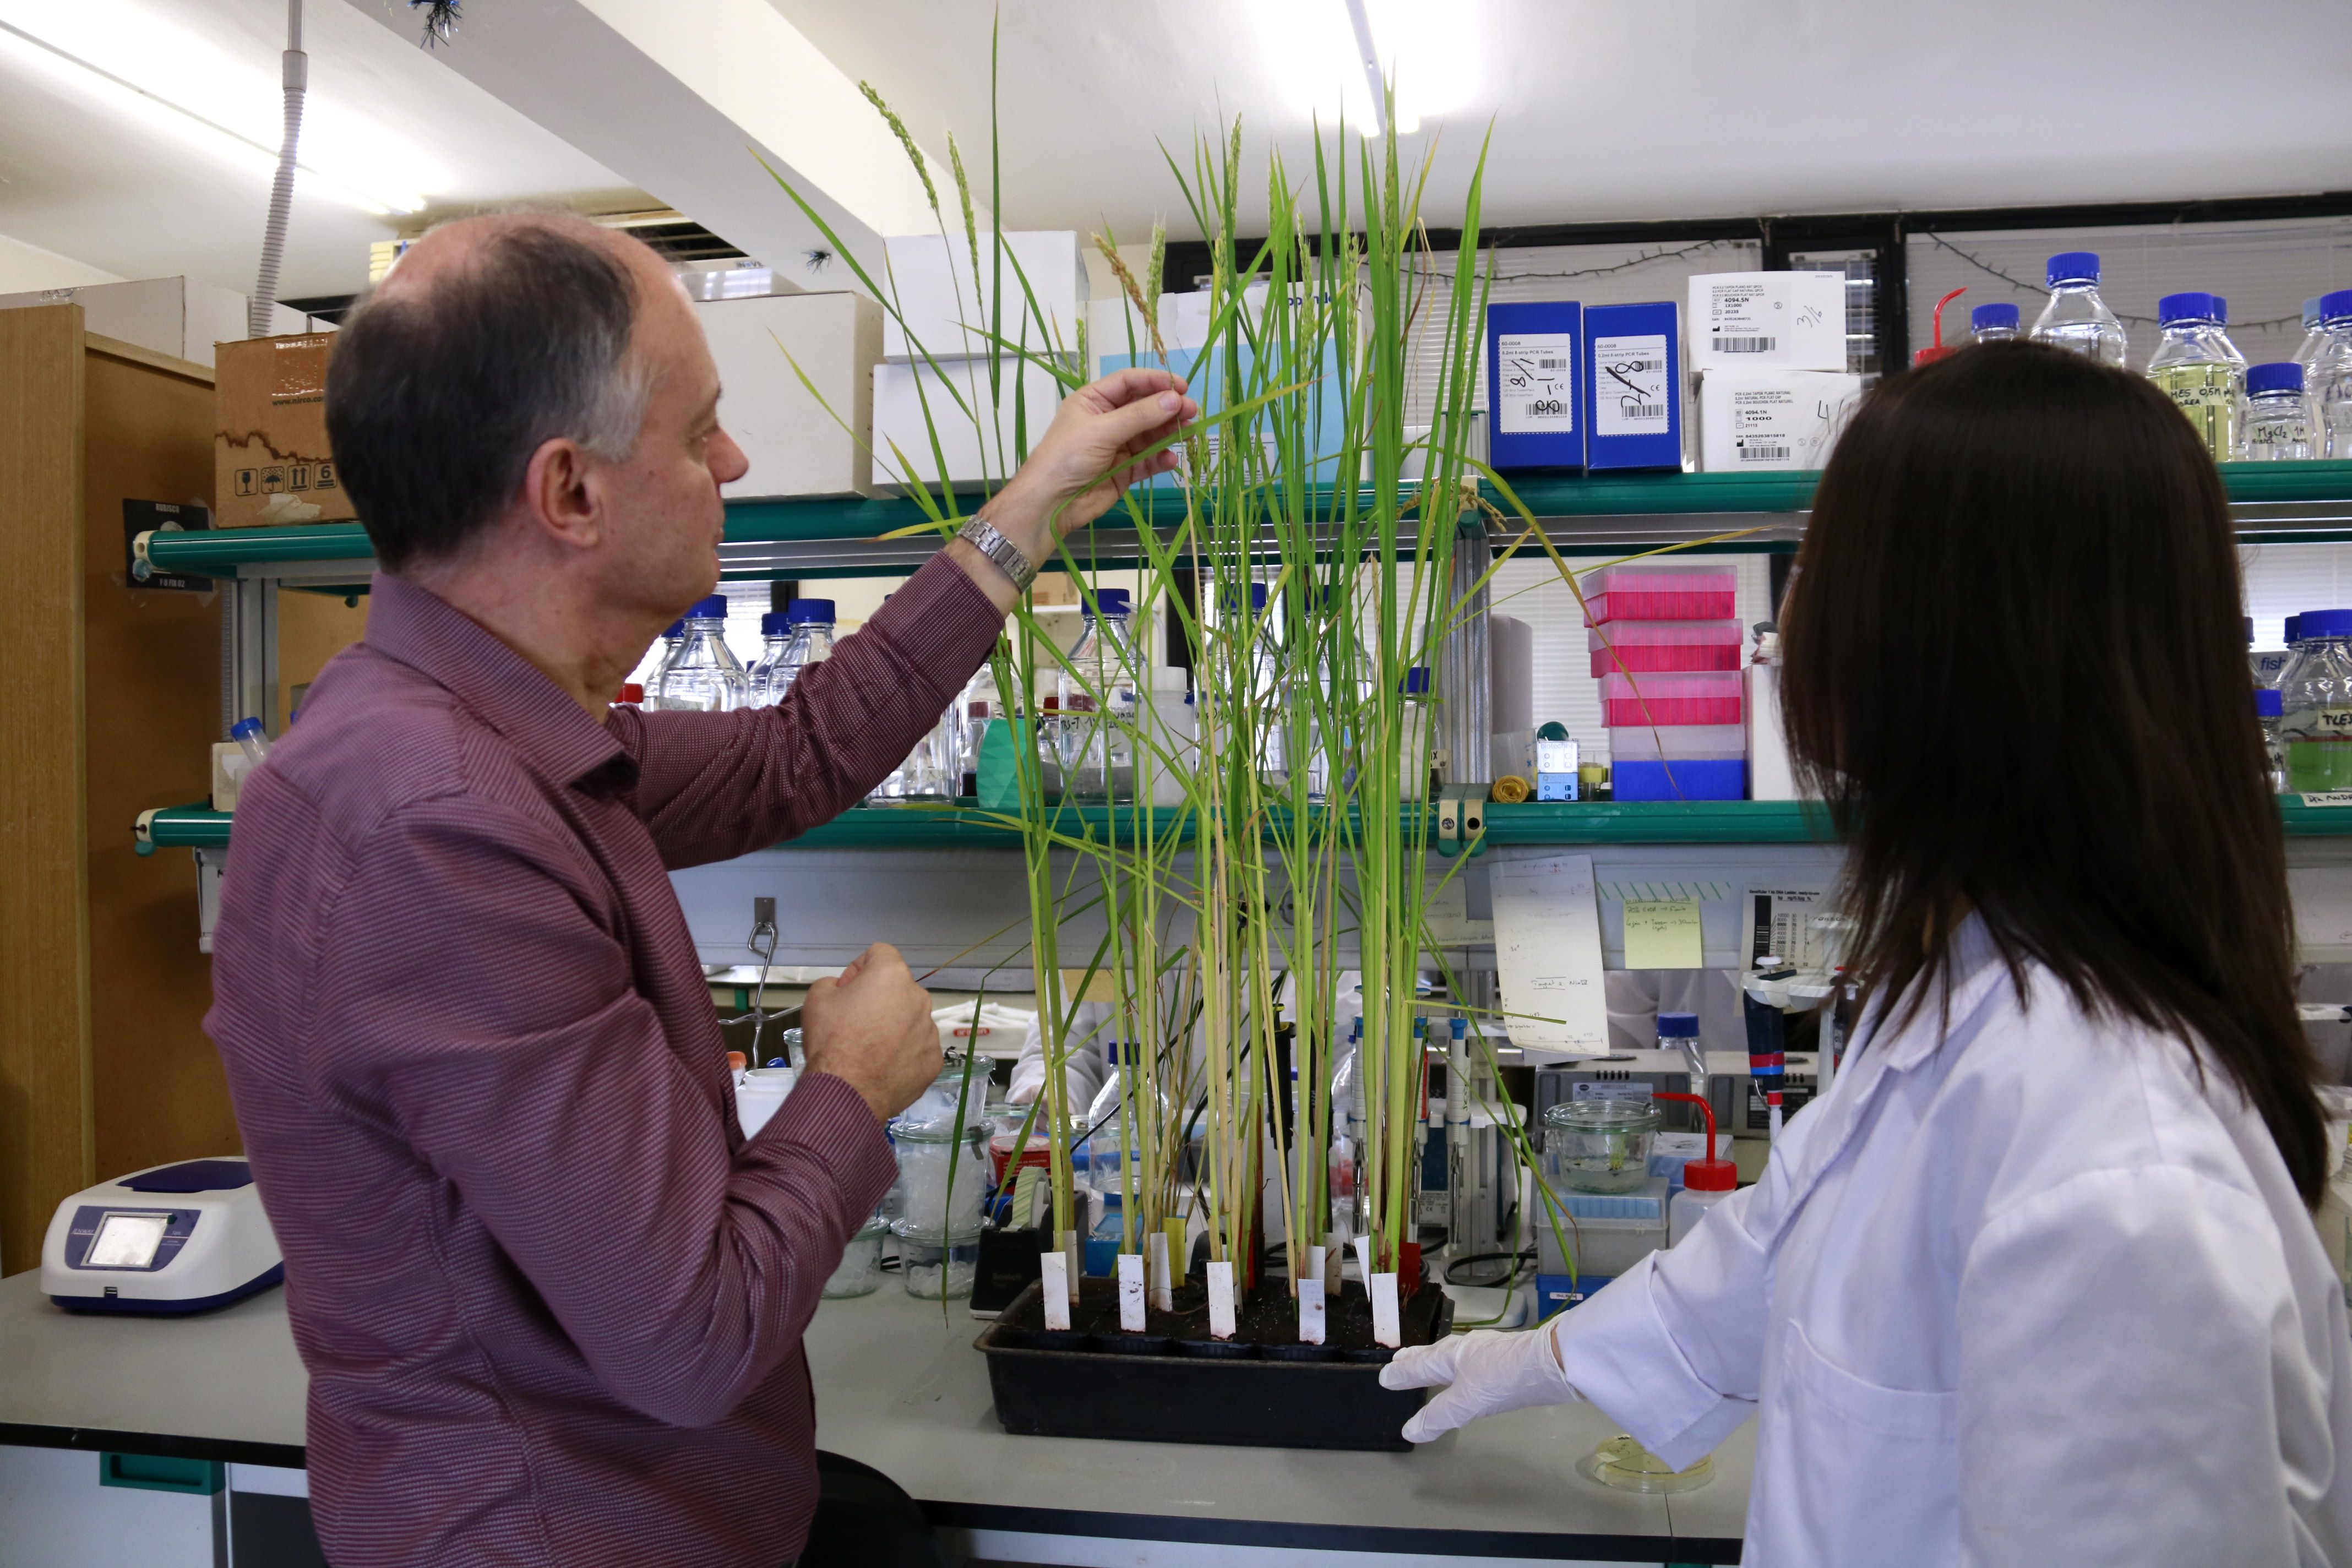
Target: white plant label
[1310, 1317]
[1631, 394]
[1537, 393]
[1387, 1327]
[1155, 1253]
[2328, 797]
[1072, 1260]
[1363, 1246]
[1221, 1301]
[1312, 1261]
[1054, 1269]
[1131, 1292]
[1331, 1270]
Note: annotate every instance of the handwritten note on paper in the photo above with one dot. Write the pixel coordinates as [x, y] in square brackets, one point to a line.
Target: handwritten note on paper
[1547, 951]
[1663, 934]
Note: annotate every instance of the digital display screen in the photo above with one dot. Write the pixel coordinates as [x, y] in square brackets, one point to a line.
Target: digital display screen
[126, 1241]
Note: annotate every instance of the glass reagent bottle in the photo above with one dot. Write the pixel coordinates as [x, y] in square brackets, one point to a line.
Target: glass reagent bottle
[2076, 319]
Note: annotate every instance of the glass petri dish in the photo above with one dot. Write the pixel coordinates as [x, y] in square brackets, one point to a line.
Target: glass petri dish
[1624, 1464]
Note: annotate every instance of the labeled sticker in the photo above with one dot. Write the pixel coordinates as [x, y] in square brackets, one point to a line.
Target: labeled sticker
[1631, 395]
[1131, 1292]
[1332, 1250]
[1536, 393]
[1221, 1301]
[1387, 1325]
[1155, 1253]
[1310, 1317]
[2329, 797]
[1053, 1270]
[1363, 1246]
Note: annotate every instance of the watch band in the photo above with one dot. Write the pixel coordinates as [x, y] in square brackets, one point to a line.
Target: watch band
[981, 535]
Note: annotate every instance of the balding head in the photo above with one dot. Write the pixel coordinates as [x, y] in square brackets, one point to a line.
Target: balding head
[492, 336]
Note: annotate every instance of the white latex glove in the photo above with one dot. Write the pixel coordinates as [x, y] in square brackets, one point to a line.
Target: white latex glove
[1483, 1374]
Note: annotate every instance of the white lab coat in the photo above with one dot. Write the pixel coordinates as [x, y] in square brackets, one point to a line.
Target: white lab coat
[2033, 1297]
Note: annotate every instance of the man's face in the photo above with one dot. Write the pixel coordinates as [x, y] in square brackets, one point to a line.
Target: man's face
[665, 518]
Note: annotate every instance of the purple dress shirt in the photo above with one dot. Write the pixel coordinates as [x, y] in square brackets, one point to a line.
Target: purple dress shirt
[550, 1298]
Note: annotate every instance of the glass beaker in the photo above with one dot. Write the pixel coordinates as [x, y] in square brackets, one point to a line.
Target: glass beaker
[860, 1270]
[1600, 1145]
[945, 1175]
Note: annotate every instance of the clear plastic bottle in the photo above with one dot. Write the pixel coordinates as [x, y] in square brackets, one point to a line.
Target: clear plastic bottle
[705, 677]
[2316, 702]
[2076, 319]
[1678, 1032]
[1706, 1182]
[1348, 1137]
[673, 638]
[2268, 711]
[1995, 324]
[2328, 381]
[2196, 366]
[775, 635]
[2278, 418]
[1096, 697]
[811, 621]
[2314, 336]
[977, 703]
[933, 771]
[1126, 1111]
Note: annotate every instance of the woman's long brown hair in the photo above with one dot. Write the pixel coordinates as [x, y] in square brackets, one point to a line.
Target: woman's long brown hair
[2016, 669]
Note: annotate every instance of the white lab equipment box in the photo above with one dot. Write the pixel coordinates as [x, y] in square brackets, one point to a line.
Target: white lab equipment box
[795, 438]
[175, 316]
[1026, 397]
[1771, 773]
[1757, 421]
[1767, 320]
[946, 308]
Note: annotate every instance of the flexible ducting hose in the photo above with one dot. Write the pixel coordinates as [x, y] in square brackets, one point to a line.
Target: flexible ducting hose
[297, 78]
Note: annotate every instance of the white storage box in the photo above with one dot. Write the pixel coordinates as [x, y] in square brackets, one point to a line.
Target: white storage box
[1771, 773]
[1755, 421]
[902, 393]
[795, 441]
[1676, 743]
[1767, 321]
[947, 308]
[175, 316]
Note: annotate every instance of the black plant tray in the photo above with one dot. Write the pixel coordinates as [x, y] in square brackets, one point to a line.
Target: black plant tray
[1174, 1388]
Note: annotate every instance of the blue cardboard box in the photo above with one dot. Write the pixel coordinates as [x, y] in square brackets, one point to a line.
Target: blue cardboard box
[1534, 381]
[1688, 778]
[1632, 381]
[1555, 1292]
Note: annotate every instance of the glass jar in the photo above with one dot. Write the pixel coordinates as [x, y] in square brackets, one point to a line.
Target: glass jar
[937, 1268]
[2316, 699]
[944, 1175]
[1599, 1145]
[860, 1271]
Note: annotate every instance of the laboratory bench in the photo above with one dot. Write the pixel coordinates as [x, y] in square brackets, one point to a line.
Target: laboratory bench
[899, 1387]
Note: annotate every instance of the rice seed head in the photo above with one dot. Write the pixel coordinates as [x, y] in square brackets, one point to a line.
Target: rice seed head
[906, 140]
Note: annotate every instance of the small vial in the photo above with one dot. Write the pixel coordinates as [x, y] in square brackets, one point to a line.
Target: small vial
[247, 733]
[2278, 416]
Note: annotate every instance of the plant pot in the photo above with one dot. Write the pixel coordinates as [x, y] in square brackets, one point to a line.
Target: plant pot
[1210, 1391]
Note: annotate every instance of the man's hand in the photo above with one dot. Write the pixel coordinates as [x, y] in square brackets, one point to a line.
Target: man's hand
[1078, 469]
[872, 1029]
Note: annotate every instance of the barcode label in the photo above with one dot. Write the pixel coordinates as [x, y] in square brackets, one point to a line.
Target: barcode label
[1549, 362]
[1763, 454]
[1630, 392]
[1534, 393]
[1746, 345]
[1636, 366]
[1643, 410]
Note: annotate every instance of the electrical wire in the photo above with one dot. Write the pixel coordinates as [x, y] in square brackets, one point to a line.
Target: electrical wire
[2022, 287]
[1644, 259]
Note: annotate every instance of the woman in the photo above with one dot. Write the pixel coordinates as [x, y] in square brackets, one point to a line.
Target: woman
[2037, 1282]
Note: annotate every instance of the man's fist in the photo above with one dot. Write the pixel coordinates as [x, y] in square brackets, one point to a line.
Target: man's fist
[872, 1029]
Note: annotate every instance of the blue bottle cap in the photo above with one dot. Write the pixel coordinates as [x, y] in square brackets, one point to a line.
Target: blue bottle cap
[2311, 313]
[2221, 310]
[2315, 624]
[1985, 316]
[2268, 704]
[676, 630]
[245, 730]
[772, 624]
[713, 608]
[2294, 630]
[2284, 375]
[1110, 601]
[1416, 681]
[2075, 267]
[807, 612]
[1460, 1028]
[2192, 306]
[1678, 1026]
[2335, 306]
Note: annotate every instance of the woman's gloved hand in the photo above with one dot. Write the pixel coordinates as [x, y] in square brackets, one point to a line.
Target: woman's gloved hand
[1483, 1374]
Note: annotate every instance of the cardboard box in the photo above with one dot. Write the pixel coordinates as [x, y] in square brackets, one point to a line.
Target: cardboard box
[1767, 320]
[271, 466]
[946, 307]
[795, 438]
[1633, 387]
[1535, 369]
[1761, 421]
[175, 316]
[1027, 395]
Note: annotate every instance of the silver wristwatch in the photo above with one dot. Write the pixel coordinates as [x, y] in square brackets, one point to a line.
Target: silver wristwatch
[981, 535]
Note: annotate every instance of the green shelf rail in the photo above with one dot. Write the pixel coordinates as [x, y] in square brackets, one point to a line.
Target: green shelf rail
[1531, 824]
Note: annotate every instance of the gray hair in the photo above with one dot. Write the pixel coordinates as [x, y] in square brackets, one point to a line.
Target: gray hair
[438, 395]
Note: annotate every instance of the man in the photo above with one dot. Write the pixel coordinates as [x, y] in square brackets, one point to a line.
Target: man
[550, 1298]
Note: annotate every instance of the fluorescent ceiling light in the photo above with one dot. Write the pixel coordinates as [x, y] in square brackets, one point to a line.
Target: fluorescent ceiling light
[1334, 57]
[182, 86]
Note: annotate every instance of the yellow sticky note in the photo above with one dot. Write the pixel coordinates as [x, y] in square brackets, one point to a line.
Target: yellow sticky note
[1663, 934]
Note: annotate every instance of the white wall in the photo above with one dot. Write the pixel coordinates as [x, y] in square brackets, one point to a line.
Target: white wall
[24, 267]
